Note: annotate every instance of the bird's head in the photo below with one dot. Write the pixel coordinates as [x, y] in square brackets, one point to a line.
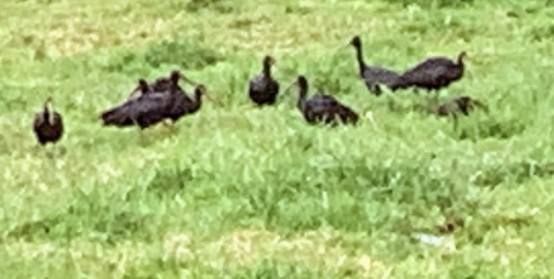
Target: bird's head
[142, 86]
[201, 90]
[269, 60]
[301, 81]
[356, 41]
[47, 103]
[175, 76]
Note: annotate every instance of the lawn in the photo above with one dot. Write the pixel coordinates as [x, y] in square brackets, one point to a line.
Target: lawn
[237, 191]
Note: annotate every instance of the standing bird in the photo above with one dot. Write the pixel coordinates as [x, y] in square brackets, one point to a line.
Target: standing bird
[372, 76]
[462, 104]
[263, 89]
[322, 107]
[48, 124]
[432, 74]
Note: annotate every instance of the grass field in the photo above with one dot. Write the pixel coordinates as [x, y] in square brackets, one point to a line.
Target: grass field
[235, 191]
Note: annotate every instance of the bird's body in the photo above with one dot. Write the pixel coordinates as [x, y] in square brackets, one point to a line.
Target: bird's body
[144, 111]
[322, 107]
[263, 89]
[373, 76]
[432, 74]
[48, 125]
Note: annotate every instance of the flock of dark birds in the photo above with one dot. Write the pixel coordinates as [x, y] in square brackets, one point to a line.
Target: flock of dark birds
[164, 100]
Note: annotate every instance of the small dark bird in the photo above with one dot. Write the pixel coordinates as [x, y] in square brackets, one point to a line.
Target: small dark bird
[372, 76]
[48, 125]
[263, 89]
[322, 107]
[432, 74]
[463, 104]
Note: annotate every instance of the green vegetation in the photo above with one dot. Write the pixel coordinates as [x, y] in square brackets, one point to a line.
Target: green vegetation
[240, 192]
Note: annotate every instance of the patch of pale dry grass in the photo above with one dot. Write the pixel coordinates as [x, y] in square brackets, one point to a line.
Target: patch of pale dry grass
[314, 250]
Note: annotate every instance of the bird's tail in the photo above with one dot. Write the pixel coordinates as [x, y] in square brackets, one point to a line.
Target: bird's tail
[347, 115]
[116, 117]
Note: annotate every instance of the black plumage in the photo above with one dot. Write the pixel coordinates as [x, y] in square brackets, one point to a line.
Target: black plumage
[263, 89]
[154, 107]
[462, 104]
[183, 104]
[432, 74]
[322, 108]
[48, 124]
[373, 76]
[143, 111]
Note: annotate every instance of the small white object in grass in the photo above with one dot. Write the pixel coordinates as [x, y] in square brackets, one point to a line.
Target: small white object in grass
[369, 115]
[447, 245]
[428, 238]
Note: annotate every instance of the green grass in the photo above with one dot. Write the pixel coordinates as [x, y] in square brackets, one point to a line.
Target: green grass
[241, 192]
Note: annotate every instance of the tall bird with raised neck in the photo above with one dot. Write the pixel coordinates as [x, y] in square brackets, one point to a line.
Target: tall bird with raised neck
[322, 107]
[48, 124]
[263, 88]
[432, 74]
[373, 76]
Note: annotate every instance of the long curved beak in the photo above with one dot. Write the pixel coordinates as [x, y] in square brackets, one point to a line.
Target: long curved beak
[189, 81]
[134, 91]
[481, 105]
[294, 83]
[209, 97]
[339, 49]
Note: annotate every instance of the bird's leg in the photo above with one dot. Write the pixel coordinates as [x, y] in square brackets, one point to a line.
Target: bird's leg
[455, 126]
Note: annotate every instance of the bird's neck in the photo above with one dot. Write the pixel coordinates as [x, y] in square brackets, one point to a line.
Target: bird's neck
[302, 97]
[267, 70]
[360, 58]
[197, 102]
[460, 61]
[48, 115]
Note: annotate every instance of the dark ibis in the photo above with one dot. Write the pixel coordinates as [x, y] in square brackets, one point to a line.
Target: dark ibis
[263, 88]
[48, 124]
[322, 107]
[373, 76]
[432, 74]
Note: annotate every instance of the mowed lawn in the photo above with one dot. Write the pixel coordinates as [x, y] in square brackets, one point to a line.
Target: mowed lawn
[237, 191]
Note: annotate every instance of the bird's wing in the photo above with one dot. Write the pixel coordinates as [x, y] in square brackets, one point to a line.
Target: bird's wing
[153, 103]
[257, 83]
[39, 119]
